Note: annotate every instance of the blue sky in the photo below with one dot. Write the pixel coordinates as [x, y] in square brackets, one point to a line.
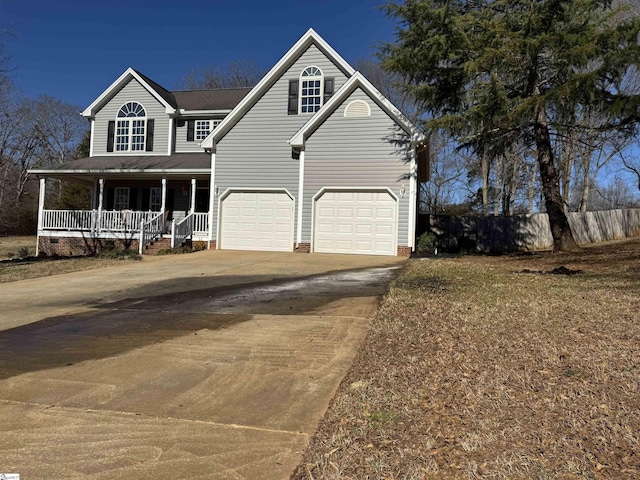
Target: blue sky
[74, 49]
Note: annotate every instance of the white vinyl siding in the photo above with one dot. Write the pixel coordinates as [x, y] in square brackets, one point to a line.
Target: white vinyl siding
[132, 92]
[356, 152]
[255, 152]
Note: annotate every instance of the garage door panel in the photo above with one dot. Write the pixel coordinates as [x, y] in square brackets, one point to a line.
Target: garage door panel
[257, 221]
[361, 222]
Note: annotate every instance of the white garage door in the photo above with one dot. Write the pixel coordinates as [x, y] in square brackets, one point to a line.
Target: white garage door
[355, 222]
[257, 221]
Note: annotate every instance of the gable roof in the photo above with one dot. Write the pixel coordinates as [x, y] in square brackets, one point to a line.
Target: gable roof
[309, 38]
[356, 81]
[216, 99]
[162, 95]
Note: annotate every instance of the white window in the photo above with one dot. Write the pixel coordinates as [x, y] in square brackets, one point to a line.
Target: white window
[155, 201]
[121, 198]
[203, 129]
[130, 128]
[311, 89]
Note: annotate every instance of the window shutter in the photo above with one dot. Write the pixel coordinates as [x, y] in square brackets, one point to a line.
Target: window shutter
[146, 198]
[328, 89]
[423, 164]
[111, 132]
[110, 197]
[293, 97]
[191, 127]
[149, 142]
[133, 199]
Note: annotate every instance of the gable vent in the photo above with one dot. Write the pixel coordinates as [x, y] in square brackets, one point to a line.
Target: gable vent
[357, 108]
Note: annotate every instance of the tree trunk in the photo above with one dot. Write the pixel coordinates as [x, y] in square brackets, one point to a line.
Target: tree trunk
[586, 187]
[566, 165]
[485, 184]
[532, 187]
[563, 240]
[497, 192]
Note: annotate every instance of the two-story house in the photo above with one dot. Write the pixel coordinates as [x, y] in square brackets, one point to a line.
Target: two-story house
[311, 159]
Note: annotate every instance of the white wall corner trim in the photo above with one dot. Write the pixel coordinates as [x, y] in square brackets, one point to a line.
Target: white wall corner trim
[300, 197]
[91, 138]
[413, 199]
[212, 197]
[170, 142]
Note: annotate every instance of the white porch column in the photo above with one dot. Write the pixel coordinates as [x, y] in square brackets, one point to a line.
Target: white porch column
[100, 200]
[193, 196]
[43, 186]
[164, 195]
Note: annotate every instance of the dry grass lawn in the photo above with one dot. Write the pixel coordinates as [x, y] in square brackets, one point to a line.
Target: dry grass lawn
[492, 367]
[10, 247]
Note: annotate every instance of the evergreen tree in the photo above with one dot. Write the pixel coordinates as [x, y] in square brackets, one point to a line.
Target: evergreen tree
[493, 72]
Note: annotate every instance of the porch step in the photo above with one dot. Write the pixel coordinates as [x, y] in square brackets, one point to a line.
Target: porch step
[156, 246]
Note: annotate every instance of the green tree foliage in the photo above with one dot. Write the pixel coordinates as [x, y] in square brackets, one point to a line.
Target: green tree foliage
[492, 73]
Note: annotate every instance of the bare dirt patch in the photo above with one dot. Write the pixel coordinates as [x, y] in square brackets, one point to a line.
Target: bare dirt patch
[473, 369]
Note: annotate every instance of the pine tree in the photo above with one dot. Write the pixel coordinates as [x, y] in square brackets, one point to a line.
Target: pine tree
[488, 72]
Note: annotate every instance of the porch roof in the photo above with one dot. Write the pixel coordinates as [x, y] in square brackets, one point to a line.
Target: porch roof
[176, 164]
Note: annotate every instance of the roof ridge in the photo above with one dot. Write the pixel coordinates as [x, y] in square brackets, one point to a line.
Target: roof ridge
[211, 89]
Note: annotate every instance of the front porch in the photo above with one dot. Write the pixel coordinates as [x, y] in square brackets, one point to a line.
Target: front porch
[65, 232]
[131, 213]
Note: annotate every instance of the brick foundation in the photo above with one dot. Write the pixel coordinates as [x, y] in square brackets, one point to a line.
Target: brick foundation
[404, 251]
[76, 246]
[303, 248]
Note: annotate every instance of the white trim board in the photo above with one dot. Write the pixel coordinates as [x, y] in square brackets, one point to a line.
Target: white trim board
[356, 81]
[122, 80]
[310, 37]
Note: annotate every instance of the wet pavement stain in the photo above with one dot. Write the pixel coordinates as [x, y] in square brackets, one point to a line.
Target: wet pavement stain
[113, 328]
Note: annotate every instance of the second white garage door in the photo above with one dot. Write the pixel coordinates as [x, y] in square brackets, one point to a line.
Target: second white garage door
[363, 222]
[257, 221]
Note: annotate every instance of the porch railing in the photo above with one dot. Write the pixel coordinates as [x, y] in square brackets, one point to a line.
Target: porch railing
[181, 231]
[94, 221]
[150, 230]
[124, 220]
[69, 219]
[200, 222]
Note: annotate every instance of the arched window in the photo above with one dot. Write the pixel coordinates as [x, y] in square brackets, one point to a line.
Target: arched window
[311, 90]
[131, 128]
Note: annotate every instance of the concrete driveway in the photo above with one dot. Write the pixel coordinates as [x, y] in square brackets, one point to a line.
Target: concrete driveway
[211, 365]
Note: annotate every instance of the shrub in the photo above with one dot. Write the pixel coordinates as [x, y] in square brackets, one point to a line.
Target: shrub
[118, 254]
[427, 242]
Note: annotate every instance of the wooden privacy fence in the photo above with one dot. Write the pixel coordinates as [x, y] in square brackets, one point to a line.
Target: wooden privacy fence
[526, 232]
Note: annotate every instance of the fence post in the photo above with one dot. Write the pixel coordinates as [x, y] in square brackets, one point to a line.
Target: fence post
[173, 234]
